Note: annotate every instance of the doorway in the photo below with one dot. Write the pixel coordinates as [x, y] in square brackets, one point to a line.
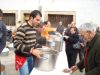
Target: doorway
[55, 18]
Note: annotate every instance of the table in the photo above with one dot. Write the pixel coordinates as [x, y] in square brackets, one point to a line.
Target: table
[61, 63]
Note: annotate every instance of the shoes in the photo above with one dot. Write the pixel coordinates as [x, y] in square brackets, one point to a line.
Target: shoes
[66, 70]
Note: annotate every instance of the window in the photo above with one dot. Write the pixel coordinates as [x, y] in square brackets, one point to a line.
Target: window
[26, 16]
[9, 19]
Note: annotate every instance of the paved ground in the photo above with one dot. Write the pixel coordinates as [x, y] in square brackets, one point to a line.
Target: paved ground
[9, 62]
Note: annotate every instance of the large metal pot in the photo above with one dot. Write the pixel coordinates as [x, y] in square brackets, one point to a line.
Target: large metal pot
[5, 52]
[50, 43]
[55, 43]
[58, 43]
[48, 60]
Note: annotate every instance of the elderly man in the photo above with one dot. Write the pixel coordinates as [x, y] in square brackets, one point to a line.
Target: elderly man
[91, 61]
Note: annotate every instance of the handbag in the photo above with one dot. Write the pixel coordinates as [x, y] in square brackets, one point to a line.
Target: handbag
[77, 45]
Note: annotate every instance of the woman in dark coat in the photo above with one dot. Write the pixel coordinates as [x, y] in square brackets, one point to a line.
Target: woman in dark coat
[71, 38]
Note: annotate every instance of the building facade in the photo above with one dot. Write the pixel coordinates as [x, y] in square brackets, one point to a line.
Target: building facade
[79, 11]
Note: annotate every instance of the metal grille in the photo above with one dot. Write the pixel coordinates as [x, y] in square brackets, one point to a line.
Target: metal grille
[9, 19]
[55, 18]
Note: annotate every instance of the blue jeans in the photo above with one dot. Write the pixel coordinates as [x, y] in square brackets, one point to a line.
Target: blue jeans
[27, 66]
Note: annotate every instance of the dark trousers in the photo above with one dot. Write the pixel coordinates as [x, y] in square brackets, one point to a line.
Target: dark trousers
[81, 55]
[71, 57]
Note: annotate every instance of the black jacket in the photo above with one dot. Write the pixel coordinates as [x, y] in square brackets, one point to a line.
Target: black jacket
[73, 38]
[3, 33]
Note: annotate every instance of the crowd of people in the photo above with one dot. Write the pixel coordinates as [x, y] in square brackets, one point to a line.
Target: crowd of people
[31, 35]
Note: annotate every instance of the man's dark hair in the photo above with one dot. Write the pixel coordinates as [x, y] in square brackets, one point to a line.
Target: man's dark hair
[1, 13]
[35, 13]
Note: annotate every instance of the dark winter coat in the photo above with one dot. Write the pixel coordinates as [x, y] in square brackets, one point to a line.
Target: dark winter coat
[93, 58]
[3, 32]
[73, 38]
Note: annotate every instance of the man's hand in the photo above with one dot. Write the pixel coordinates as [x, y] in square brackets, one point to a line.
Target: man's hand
[74, 68]
[82, 44]
[66, 70]
[36, 52]
[66, 37]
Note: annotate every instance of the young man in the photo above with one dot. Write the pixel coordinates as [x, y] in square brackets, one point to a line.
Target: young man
[91, 61]
[25, 44]
[3, 32]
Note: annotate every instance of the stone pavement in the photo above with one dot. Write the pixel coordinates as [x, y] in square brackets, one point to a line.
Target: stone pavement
[9, 62]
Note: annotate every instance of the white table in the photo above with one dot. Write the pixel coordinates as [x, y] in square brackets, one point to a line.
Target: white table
[61, 63]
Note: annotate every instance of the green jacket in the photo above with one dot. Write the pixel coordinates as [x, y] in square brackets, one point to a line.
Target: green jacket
[93, 58]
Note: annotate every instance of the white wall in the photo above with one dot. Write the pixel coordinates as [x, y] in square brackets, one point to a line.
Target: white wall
[86, 10]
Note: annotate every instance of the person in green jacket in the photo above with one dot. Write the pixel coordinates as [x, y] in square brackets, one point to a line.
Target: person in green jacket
[91, 61]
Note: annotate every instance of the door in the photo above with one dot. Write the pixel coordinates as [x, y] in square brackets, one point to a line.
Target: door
[55, 18]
